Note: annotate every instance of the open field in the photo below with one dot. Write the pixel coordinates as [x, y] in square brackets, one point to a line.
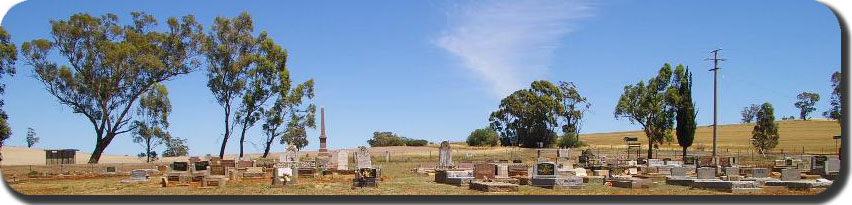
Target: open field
[814, 135]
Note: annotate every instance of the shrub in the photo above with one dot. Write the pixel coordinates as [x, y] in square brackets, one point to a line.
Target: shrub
[483, 137]
[385, 139]
[414, 142]
[570, 140]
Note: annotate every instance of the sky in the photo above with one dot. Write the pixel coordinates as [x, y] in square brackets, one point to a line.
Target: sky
[435, 70]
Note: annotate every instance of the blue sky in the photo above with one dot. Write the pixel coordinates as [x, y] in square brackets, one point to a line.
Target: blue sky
[436, 69]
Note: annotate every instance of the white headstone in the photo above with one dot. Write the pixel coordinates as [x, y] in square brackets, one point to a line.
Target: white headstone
[342, 160]
[655, 163]
[445, 156]
[580, 172]
[362, 157]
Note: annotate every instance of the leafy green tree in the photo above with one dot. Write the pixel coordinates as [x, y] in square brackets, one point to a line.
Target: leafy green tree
[176, 147]
[529, 117]
[647, 106]
[385, 139]
[152, 128]
[806, 104]
[268, 78]
[681, 99]
[8, 56]
[108, 66]
[230, 49]
[765, 133]
[574, 106]
[32, 139]
[288, 110]
[748, 113]
[485, 137]
[835, 112]
[243, 71]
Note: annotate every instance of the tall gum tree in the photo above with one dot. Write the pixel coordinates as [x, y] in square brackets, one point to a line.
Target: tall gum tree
[648, 106]
[8, 56]
[229, 49]
[244, 73]
[109, 66]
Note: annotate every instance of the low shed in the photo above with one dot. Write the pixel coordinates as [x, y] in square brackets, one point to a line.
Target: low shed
[60, 156]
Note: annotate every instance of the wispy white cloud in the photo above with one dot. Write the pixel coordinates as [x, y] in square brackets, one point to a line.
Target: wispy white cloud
[509, 43]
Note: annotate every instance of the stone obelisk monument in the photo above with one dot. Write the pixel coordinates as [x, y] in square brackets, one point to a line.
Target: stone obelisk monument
[323, 150]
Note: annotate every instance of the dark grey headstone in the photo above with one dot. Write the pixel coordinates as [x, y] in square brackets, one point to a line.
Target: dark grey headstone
[202, 165]
[545, 169]
[180, 166]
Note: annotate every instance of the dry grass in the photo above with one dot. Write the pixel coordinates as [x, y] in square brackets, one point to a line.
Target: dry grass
[814, 135]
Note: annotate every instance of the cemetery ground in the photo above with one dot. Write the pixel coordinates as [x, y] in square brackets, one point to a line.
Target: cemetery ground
[398, 178]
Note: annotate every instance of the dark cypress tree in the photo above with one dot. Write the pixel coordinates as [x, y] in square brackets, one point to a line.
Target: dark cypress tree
[681, 99]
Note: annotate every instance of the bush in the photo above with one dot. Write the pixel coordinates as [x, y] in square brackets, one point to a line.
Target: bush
[385, 139]
[570, 141]
[414, 142]
[485, 137]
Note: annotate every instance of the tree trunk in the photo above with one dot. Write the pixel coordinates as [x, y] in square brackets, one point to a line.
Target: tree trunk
[650, 149]
[148, 151]
[242, 139]
[268, 146]
[100, 146]
[227, 133]
[684, 154]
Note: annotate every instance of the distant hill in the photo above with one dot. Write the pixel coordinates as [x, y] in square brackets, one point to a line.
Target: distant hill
[815, 135]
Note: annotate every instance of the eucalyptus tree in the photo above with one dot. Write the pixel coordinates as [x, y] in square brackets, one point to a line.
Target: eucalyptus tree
[835, 112]
[229, 49]
[529, 117]
[244, 72]
[107, 66]
[748, 113]
[32, 138]
[8, 56]
[806, 104]
[648, 106]
[575, 106]
[291, 112]
[152, 128]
